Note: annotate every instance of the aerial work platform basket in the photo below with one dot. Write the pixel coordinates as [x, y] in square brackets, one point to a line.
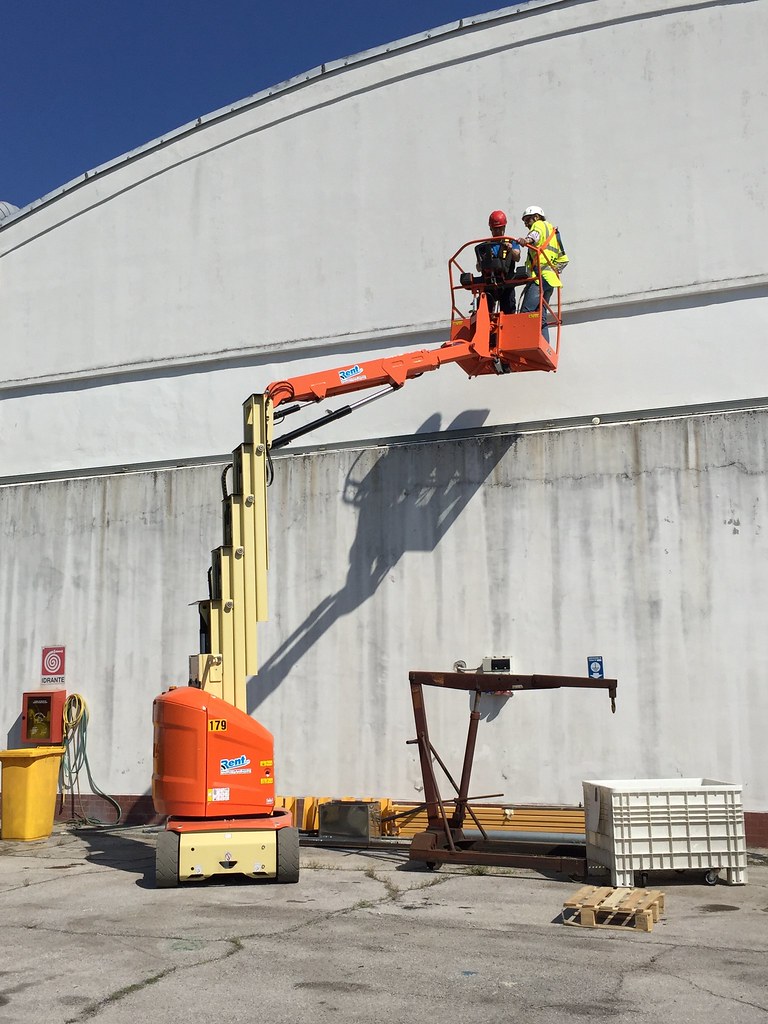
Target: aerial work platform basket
[479, 301]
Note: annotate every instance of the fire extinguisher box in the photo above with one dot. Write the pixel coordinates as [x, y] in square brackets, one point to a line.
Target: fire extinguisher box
[42, 716]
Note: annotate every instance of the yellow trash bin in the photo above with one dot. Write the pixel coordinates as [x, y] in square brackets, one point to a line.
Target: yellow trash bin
[30, 780]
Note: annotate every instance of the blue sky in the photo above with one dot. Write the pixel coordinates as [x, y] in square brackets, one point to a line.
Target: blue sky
[84, 81]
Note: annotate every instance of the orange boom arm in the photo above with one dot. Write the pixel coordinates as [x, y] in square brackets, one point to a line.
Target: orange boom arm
[393, 371]
[483, 341]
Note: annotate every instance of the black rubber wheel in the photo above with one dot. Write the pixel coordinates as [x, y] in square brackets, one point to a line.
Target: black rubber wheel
[167, 860]
[287, 855]
[642, 879]
[712, 877]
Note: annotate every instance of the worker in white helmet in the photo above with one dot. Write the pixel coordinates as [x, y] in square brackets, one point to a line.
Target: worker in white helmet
[545, 262]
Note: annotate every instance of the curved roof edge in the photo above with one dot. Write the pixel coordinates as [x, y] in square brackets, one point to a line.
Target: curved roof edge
[524, 6]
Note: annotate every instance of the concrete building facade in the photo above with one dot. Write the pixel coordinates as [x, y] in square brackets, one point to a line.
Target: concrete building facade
[311, 226]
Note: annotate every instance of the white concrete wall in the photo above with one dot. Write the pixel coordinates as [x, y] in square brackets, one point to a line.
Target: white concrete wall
[312, 227]
[645, 543]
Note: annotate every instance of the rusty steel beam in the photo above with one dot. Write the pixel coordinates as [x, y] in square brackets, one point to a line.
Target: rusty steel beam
[564, 865]
[506, 682]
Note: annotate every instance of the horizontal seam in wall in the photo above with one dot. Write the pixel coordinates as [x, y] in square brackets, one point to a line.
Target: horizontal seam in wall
[602, 420]
[305, 347]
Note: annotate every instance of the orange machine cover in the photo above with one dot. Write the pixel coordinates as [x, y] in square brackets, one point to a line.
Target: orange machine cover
[210, 759]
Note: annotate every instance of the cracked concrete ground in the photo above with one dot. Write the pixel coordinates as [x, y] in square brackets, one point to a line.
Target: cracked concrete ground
[86, 937]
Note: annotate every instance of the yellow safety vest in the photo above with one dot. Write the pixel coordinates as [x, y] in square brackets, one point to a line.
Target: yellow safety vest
[552, 255]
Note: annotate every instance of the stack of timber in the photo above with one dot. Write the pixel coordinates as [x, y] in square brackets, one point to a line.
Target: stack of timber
[605, 907]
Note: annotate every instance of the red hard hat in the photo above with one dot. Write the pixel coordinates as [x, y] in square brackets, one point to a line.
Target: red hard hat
[498, 219]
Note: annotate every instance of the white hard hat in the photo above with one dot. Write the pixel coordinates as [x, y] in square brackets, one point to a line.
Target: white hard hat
[533, 211]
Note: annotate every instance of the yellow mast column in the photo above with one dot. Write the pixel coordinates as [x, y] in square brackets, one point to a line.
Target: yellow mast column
[238, 578]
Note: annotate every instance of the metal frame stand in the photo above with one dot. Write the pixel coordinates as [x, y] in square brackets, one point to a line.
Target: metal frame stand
[444, 841]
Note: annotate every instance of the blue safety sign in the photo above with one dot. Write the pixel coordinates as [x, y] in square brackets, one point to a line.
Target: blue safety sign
[595, 666]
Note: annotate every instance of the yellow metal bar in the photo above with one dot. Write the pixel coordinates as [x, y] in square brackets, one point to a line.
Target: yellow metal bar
[239, 622]
[494, 817]
[257, 423]
[224, 608]
[244, 538]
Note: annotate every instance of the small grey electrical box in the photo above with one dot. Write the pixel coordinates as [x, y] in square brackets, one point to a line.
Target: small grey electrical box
[497, 664]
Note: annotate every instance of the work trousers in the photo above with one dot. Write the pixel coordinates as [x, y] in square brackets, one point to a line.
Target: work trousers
[530, 303]
[506, 299]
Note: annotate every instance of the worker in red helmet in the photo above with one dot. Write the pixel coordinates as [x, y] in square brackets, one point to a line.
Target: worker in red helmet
[497, 222]
[496, 264]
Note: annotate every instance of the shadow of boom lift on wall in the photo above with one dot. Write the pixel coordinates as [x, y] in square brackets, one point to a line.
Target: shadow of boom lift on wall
[407, 499]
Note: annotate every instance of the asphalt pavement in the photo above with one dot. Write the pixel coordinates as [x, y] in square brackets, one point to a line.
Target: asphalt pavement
[85, 936]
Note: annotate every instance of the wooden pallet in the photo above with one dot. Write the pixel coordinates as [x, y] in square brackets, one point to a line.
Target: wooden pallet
[605, 907]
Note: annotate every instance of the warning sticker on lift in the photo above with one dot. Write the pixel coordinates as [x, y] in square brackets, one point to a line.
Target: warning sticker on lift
[221, 793]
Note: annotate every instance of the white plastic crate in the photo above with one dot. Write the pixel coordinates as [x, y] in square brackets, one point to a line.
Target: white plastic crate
[640, 825]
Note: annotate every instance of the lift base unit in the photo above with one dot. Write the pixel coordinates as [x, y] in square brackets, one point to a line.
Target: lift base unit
[260, 848]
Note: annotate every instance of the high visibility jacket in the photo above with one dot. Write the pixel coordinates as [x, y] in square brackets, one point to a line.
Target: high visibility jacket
[552, 256]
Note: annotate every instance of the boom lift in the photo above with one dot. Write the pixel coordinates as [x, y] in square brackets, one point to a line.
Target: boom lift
[213, 773]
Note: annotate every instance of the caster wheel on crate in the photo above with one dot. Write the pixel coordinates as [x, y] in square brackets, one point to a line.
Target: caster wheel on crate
[642, 879]
[712, 877]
